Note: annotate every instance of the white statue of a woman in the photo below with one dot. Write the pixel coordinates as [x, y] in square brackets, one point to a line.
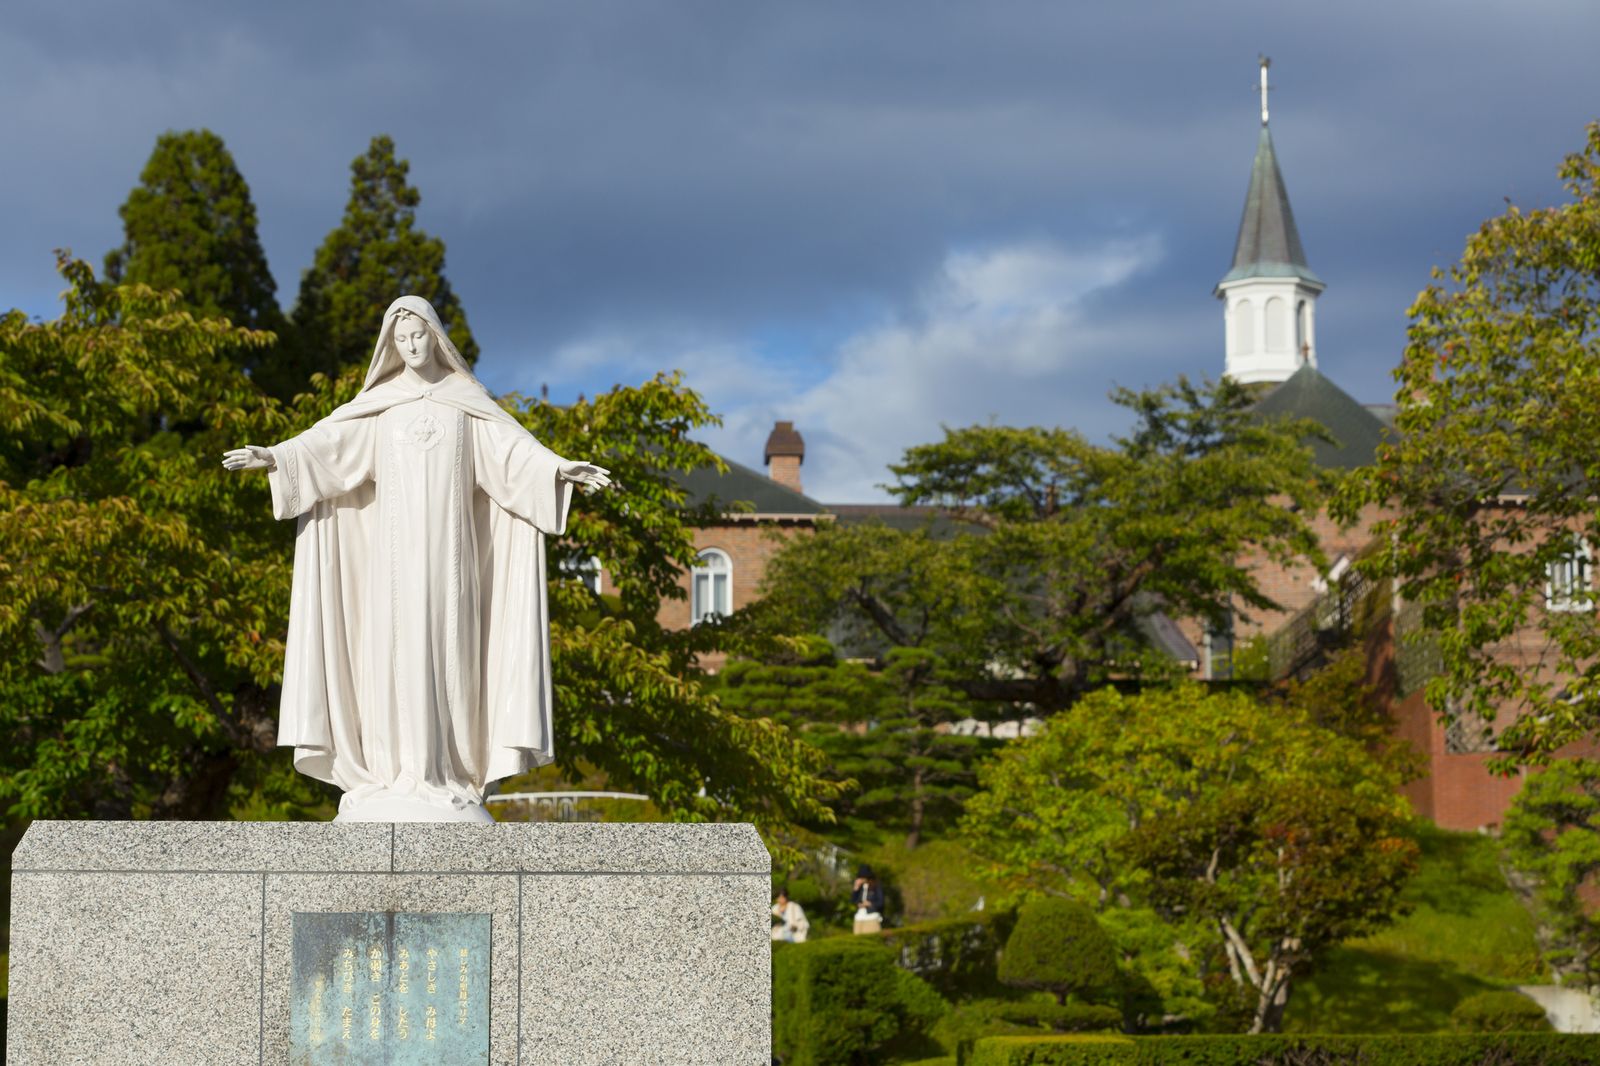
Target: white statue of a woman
[417, 670]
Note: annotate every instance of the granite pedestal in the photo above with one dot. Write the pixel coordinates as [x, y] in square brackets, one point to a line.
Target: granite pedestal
[175, 942]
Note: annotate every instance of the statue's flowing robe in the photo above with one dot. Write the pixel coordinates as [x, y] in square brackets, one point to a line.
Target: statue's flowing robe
[418, 657]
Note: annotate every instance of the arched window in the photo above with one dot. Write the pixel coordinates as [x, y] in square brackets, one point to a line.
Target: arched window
[1277, 325]
[711, 586]
[1302, 336]
[1244, 327]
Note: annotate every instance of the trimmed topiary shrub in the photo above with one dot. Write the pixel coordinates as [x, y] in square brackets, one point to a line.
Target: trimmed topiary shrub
[1499, 1012]
[1431, 1049]
[842, 1001]
[968, 1023]
[1063, 1017]
[1058, 946]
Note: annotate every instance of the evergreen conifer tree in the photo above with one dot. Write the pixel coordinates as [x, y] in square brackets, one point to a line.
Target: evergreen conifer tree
[374, 255]
[190, 225]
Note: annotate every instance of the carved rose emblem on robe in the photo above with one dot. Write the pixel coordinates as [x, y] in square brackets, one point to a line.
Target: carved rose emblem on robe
[422, 432]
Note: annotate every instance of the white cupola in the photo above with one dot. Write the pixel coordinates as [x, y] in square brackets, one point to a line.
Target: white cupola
[1269, 297]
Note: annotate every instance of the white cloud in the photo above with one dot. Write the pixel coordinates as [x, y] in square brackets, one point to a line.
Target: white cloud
[1023, 333]
[1006, 333]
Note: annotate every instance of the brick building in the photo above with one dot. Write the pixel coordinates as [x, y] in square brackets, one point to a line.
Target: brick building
[1269, 297]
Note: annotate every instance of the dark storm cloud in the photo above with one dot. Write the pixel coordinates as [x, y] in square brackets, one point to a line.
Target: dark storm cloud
[632, 184]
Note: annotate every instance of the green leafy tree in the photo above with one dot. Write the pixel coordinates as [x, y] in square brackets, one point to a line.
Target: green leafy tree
[1493, 481]
[1031, 591]
[1232, 818]
[144, 590]
[882, 726]
[190, 225]
[375, 254]
[1551, 838]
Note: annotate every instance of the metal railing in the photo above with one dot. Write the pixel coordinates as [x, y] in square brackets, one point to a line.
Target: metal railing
[1324, 625]
[561, 806]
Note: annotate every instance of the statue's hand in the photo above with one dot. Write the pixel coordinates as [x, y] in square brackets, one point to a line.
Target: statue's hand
[586, 474]
[250, 457]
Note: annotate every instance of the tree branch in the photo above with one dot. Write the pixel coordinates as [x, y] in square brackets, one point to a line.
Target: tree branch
[53, 660]
[201, 683]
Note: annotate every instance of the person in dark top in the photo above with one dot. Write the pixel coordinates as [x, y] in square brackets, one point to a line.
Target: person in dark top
[867, 897]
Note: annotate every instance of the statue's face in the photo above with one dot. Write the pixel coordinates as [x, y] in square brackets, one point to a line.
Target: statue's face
[414, 340]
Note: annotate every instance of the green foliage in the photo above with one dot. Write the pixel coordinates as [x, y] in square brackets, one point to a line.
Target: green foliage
[1521, 1049]
[144, 590]
[1239, 821]
[843, 1001]
[968, 1023]
[1502, 1011]
[1462, 932]
[1057, 946]
[958, 957]
[880, 729]
[936, 879]
[1495, 470]
[1551, 840]
[140, 587]
[190, 225]
[1032, 589]
[375, 254]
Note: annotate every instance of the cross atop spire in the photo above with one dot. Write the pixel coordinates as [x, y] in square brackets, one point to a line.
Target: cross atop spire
[1266, 61]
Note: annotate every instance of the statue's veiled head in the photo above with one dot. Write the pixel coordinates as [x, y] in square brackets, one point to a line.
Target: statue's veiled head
[412, 335]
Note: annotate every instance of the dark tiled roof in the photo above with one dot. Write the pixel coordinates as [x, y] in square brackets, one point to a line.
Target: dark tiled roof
[1356, 431]
[1165, 636]
[1384, 412]
[1268, 244]
[743, 485]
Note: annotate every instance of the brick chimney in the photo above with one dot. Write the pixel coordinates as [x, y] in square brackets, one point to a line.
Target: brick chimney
[785, 452]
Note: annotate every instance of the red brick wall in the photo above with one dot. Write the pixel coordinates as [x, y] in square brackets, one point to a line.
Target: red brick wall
[749, 544]
[1291, 587]
[1456, 791]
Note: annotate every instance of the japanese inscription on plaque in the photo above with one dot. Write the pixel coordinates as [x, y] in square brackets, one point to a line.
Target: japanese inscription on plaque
[389, 988]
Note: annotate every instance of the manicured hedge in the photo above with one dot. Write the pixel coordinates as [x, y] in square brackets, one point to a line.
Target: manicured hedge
[842, 1000]
[1504, 1011]
[959, 957]
[968, 1023]
[1445, 1049]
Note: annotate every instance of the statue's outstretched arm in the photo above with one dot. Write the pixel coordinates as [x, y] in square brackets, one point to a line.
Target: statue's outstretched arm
[249, 457]
[588, 475]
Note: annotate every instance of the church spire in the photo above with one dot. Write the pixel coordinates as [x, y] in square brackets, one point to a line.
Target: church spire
[1266, 340]
[1269, 243]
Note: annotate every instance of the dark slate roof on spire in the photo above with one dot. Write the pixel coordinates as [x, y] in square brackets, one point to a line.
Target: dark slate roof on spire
[1355, 430]
[1269, 244]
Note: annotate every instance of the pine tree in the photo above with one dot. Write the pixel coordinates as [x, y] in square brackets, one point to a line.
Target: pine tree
[190, 225]
[374, 255]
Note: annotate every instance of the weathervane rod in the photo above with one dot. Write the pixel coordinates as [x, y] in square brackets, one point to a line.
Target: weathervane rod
[1265, 63]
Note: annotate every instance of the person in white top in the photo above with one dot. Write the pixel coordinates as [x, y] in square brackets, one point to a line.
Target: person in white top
[792, 924]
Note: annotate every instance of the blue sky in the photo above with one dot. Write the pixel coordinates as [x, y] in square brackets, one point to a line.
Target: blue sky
[873, 219]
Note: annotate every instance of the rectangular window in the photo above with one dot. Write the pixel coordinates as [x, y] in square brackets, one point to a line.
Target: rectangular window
[1569, 581]
[711, 596]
